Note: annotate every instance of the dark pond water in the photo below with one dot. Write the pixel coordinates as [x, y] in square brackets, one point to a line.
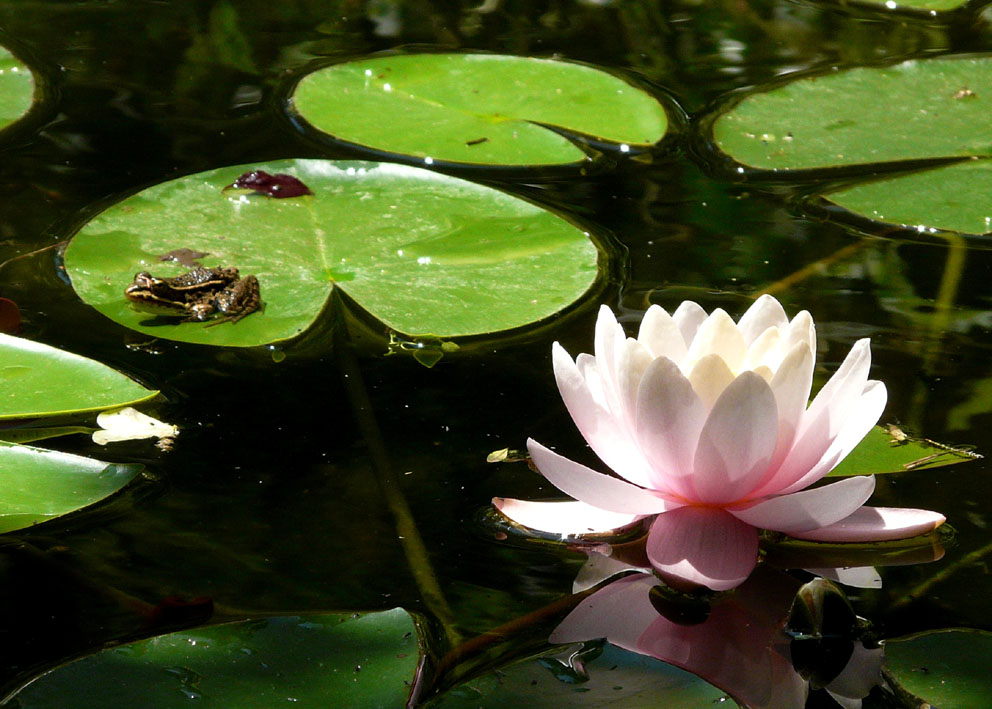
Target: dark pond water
[269, 501]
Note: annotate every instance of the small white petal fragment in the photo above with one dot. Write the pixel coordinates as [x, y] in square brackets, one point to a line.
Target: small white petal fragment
[129, 424]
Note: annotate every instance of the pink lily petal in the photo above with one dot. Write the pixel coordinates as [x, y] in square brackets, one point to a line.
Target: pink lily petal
[860, 422]
[876, 524]
[669, 418]
[832, 408]
[661, 335]
[736, 442]
[602, 491]
[689, 316]
[810, 509]
[790, 385]
[567, 518]
[580, 390]
[619, 612]
[764, 313]
[702, 546]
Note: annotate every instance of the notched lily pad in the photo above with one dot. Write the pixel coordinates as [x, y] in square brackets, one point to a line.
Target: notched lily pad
[40, 381]
[477, 109]
[332, 659]
[424, 253]
[38, 485]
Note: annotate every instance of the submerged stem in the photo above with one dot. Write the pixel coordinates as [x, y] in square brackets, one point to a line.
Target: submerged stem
[406, 527]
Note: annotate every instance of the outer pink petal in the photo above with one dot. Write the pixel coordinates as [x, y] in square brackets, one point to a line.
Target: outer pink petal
[860, 422]
[876, 524]
[810, 509]
[597, 424]
[832, 408]
[764, 313]
[565, 518]
[737, 441]
[602, 491]
[669, 418]
[702, 546]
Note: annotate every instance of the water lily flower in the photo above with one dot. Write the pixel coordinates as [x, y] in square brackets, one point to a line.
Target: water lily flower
[706, 423]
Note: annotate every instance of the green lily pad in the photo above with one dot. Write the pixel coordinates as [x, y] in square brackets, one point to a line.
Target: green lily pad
[615, 678]
[947, 669]
[479, 109]
[16, 88]
[38, 485]
[919, 109]
[38, 380]
[424, 253]
[334, 659]
[952, 198]
[883, 452]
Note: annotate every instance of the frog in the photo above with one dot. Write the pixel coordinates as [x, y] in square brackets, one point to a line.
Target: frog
[197, 294]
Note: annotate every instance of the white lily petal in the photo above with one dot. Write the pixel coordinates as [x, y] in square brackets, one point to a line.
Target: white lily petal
[853, 576]
[737, 441]
[709, 377]
[719, 335]
[670, 416]
[689, 316]
[567, 518]
[764, 313]
[129, 424]
[602, 491]
[661, 335]
[633, 358]
[764, 351]
[790, 385]
[808, 510]
[801, 329]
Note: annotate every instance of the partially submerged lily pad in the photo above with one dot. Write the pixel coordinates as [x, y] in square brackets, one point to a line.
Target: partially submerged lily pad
[424, 253]
[332, 659]
[477, 109]
[891, 450]
[16, 88]
[878, 118]
[39, 380]
[38, 485]
[946, 668]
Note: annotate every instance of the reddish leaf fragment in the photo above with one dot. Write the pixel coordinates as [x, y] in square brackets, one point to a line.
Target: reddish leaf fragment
[10, 317]
[279, 185]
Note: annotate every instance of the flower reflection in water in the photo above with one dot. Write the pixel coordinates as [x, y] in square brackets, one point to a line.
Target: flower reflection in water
[706, 421]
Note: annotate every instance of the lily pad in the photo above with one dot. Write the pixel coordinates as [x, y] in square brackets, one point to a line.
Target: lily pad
[38, 485]
[478, 109]
[892, 451]
[16, 88]
[424, 253]
[947, 669]
[615, 678]
[952, 198]
[919, 109]
[346, 660]
[38, 380]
